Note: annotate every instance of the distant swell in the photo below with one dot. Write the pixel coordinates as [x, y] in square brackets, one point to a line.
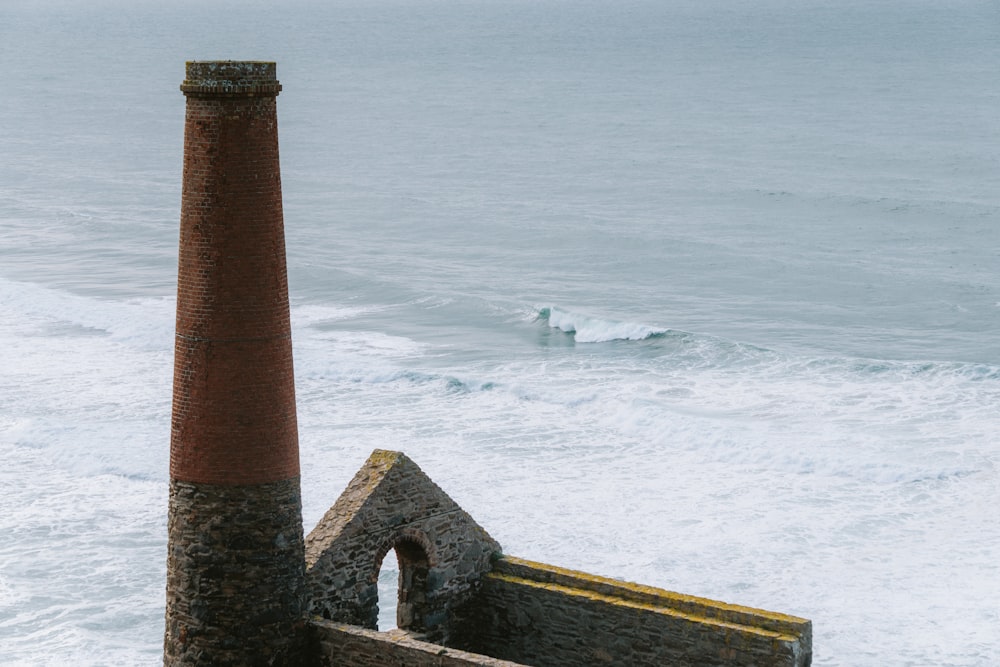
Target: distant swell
[595, 330]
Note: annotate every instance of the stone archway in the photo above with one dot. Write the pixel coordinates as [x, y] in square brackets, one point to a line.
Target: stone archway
[391, 504]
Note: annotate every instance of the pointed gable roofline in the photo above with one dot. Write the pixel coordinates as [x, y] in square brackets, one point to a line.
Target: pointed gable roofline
[389, 504]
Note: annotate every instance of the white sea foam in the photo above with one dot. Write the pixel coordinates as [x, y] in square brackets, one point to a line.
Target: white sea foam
[316, 315]
[595, 330]
[41, 311]
[635, 483]
[814, 433]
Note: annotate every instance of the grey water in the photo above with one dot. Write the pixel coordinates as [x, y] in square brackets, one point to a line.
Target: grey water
[697, 294]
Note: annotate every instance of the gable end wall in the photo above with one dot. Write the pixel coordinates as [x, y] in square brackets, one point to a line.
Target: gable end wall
[391, 501]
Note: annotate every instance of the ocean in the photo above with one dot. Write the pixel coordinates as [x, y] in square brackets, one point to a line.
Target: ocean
[698, 294]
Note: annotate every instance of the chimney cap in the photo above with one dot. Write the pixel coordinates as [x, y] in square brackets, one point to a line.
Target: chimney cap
[230, 78]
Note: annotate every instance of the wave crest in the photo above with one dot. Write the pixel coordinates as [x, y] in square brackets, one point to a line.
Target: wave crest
[586, 329]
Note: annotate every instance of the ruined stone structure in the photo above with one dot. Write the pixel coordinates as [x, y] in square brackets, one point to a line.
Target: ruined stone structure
[461, 602]
[391, 504]
[245, 588]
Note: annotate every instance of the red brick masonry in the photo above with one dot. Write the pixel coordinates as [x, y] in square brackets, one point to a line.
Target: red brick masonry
[234, 395]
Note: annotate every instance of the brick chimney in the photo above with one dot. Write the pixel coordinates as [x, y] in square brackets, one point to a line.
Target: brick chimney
[235, 563]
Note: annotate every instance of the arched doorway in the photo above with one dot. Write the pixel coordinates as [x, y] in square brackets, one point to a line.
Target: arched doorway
[411, 588]
[388, 591]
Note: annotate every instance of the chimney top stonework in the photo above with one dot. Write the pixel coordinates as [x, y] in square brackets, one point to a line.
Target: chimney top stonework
[231, 77]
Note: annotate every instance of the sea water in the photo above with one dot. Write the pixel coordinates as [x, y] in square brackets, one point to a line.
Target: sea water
[699, 294]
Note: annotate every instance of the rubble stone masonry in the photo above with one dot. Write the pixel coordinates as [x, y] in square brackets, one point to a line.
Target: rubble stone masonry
[235, 574]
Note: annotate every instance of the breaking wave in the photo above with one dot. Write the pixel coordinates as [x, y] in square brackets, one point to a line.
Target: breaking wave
[585, 329]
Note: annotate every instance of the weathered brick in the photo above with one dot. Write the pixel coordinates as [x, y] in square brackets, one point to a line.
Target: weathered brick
[234, 393]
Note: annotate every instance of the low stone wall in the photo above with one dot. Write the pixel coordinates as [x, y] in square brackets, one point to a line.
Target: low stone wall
[339, 644]
[542, 615]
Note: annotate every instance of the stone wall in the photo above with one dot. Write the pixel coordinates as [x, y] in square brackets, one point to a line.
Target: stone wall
[542, 615]
[337, 644]
[390, 503]
[235, 580]
[462, 603]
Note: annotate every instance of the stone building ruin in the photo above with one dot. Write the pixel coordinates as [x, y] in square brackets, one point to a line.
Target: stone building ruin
[245, 587]
[462, 602]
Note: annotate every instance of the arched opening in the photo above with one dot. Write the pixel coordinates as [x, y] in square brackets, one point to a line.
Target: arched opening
[388, 586]
[413, 568]
[402, 590]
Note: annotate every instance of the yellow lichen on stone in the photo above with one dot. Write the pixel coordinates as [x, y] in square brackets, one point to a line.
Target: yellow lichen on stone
[652, 591]
[643, 606]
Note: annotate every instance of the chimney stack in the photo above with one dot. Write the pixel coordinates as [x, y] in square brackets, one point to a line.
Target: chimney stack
[235, 564]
